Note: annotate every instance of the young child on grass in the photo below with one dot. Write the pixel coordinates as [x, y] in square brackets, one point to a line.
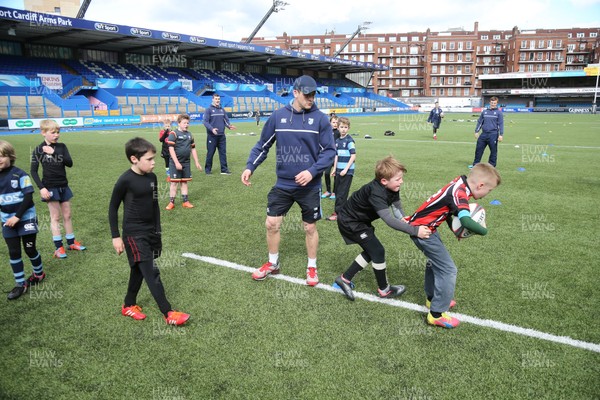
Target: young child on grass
[181, 145]
[54, 187]
[440, 270]
[343, 165]
[137, 189]
[19, 220]
[379, 198]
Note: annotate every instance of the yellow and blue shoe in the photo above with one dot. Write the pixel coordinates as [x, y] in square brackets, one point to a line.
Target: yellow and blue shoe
[445, 321]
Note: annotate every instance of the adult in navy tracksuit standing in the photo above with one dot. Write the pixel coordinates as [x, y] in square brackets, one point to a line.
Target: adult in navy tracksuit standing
[304, 143]
[215, 120]
[491, 122]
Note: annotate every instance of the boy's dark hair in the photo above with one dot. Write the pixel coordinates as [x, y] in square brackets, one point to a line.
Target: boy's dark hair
[216, 95]
[181, 117]
[493, 98]
[138, 147]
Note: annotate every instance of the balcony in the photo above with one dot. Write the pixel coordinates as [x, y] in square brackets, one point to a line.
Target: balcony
[452, 51]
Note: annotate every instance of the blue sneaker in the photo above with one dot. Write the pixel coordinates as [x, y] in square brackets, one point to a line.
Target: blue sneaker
[332, 197]
[325, 195]
[470, 166]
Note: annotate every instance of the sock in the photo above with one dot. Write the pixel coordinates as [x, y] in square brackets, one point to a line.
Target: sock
[36, 263]
[312, 263]
[18, 272]
[167, 314]
[435, 314]
[274, 258]
[359, 263]
[184, 197]
[380, 275]
[172, 200]
[430, 298]
[70, 238]
[57, 241]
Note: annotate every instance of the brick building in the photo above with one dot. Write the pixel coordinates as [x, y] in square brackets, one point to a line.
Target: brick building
[447, 64]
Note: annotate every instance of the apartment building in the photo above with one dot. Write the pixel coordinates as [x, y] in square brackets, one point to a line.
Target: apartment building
[447, 64]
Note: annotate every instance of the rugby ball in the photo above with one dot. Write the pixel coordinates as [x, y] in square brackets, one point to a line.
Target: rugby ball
[477, 214]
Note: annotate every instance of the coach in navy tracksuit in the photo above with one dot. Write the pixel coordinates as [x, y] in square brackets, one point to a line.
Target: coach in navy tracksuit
[215, 120]
[304, 143]
[491, 122]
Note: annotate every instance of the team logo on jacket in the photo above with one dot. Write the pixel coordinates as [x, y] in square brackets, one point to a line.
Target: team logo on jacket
[310, 121]
[14, 183]
[283, 120]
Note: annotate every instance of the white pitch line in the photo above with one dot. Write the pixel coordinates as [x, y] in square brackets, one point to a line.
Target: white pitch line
[488, 323]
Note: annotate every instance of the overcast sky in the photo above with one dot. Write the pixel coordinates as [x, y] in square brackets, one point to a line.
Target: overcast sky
[234, 19]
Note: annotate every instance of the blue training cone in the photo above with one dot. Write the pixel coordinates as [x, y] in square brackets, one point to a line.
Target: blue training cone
[520, 169]
[495, 203]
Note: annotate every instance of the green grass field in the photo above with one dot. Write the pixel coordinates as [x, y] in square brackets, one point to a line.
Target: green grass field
[537, 268]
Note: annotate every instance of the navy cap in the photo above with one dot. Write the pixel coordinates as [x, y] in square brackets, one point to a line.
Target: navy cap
[305, 84]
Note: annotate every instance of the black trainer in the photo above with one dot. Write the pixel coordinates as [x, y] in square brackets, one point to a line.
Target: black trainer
[17, 292]
[226, 172]
[35, 279]
[392, 291]
[345, 288]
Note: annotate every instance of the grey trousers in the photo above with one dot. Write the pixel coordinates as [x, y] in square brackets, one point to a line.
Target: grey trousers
[440, 272]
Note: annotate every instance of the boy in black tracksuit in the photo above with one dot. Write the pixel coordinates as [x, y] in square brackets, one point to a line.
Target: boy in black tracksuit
[137, 189]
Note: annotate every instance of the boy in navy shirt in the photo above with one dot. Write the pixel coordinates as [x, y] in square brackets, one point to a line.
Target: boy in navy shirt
[305, 149]
[343, 165]
[435, 118]
[19, 220]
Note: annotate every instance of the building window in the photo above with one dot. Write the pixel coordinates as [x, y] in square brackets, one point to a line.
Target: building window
[403, 39]
[443, 46]
[452, 45]
[450, 92]
[434, 46]
[451, 69]
[413, 72]
[434, 69]
[496, 37]
[580, 35]
[451, 57]
[593, 34]
[459, 57]
[434, 57]
[412, 82]
[570, 35]
[469, 46]
[523, 44]
[433, 92]
[450, 80]
[466, 92]
[484, 37]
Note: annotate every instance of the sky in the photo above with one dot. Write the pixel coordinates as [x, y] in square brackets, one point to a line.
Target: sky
[234, 19]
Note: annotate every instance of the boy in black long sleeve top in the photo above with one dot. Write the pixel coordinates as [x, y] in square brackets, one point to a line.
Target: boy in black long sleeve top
[137, 190]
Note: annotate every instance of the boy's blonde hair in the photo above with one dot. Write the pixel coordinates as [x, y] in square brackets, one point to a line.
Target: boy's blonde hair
[181, 117]
[344, 120]
[7, 150]
[49, 125]
[487, 172]
[388, 168]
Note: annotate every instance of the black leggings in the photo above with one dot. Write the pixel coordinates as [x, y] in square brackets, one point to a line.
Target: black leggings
[14, 246]
[147, 270]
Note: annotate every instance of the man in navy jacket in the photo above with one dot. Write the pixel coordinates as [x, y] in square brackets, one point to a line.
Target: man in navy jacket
[215, 120]
[491, 122]
[303, 139]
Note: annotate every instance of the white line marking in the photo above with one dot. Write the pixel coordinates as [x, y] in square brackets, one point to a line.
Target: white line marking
[415, 307]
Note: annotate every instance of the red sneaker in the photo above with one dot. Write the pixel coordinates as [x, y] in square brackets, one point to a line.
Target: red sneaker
[170, 206]
[176, 318]
[134, 312]
[312, 279]
[267, 269]
[445, 321]
[77, 246]
[60, 253]
[187, 204]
